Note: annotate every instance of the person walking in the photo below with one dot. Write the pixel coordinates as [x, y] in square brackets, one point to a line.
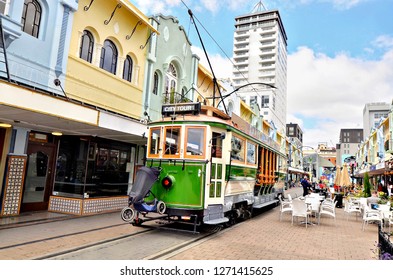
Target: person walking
[390, 188]
[306, 185]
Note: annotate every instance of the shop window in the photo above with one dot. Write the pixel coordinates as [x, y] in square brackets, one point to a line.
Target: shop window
[71, 167]
[88, 170]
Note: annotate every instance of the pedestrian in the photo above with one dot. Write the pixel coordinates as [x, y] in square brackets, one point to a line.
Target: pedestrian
[390, 188]
[306, 185]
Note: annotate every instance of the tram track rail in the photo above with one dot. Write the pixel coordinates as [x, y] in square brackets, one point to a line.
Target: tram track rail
[167, 253]
[102, 242]
[147, 229]
[58, 236]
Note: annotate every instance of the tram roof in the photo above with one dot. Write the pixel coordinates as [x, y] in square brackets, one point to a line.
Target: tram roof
[213, 116]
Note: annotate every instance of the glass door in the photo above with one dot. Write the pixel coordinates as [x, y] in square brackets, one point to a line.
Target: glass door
[38, 181]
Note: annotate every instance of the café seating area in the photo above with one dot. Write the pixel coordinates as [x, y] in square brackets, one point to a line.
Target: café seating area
[315, 209]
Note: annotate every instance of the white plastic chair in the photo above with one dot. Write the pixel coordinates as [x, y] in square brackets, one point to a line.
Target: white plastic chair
[285, 206]
[299, 209]
[328, 203]
[371, 215]
[350, 208]
[328, 209]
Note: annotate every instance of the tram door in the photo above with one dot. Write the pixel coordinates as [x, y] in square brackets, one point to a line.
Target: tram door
[38, 181]
[217, 174]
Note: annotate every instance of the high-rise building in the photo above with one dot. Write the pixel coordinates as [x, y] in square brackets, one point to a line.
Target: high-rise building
[350, 139]
[260, 57]
[373, 113]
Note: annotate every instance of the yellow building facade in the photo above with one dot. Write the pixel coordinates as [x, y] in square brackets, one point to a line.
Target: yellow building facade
[107, 57]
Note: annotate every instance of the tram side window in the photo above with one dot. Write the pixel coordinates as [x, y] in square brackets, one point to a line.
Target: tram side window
[251, 154]
[195, 141]
[154, 141]
[172, 141]
[237, 148]
[217, 145]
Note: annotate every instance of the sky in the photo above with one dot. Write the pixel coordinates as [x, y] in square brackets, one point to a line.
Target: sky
[340, 54]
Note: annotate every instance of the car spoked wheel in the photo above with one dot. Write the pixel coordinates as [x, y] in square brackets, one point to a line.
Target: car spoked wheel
[127, 214]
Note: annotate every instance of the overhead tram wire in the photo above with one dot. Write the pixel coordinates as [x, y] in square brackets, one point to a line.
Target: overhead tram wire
[215, 83]
[222, 50]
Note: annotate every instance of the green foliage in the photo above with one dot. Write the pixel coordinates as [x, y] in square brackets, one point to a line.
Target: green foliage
[367, 185]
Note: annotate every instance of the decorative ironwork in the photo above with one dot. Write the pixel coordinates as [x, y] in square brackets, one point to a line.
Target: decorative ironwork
[147, 41]
[86, 8]
[118, 6]
[128, 37]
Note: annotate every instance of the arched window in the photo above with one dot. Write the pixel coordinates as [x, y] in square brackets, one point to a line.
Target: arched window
[171, 79]
[31, 17]
[86, 48]
[155, 83]
[127, 70]
[108, 60]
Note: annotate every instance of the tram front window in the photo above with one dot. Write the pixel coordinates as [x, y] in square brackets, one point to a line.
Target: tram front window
[154, 141]
[195, 145]
[172, 139]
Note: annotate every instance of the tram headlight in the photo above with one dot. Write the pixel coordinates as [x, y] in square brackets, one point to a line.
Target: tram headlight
[168, 181]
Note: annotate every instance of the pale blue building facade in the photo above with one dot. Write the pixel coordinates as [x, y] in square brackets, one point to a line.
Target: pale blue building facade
[172, 69]
[37, 50]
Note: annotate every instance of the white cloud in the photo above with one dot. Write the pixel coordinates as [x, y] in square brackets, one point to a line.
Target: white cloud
[383, 41]
[325, 94]
[213, 6]
[345, 4]
[222, 67]
[329, 93]
[155, 7]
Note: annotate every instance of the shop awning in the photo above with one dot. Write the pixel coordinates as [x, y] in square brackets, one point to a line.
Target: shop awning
[322, 162]
[296, 170]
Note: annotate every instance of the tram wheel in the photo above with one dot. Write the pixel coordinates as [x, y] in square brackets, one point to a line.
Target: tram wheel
[161, 207]
[127, 214]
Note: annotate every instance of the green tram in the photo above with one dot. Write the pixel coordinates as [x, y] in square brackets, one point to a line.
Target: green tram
[204, 167]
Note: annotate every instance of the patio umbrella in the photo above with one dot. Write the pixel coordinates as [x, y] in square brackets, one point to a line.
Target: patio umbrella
[338, 176]
[344, 177]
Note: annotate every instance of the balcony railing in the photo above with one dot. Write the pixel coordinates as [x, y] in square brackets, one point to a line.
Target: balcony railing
[174, 98]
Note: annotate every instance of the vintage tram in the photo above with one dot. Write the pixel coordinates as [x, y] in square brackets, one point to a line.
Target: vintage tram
[204, 167]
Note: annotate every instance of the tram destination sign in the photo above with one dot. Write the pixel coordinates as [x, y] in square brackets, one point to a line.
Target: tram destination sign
[181, 109]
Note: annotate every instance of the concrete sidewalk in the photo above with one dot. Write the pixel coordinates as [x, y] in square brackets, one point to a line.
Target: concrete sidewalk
[266, 238]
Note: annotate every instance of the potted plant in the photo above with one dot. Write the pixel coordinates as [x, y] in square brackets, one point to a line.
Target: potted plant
[367, 185]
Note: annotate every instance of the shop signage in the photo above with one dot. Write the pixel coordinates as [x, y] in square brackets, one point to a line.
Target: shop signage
[181, 109]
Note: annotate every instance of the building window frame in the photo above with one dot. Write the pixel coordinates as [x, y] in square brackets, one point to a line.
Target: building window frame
[4, 6]
[109, 56]
[156, 80]
[86, 46]
[127, 68]
[31, 17]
